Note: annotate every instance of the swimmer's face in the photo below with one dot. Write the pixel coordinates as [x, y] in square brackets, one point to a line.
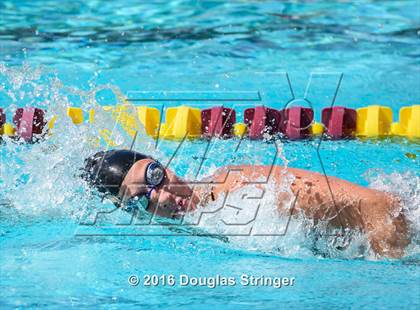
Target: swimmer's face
[168, 199]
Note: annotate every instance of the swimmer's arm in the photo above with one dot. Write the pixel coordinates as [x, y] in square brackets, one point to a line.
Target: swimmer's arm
[378, 214]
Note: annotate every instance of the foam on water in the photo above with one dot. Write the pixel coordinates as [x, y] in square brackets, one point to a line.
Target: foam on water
[406, 186]
[44, 178]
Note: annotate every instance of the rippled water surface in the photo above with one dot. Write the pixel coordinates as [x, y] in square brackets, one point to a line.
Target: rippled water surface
[91, 53]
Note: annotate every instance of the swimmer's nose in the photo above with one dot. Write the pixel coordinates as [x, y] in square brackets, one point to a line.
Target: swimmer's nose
[179, 201]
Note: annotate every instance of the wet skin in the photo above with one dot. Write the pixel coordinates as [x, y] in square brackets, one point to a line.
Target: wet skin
[376, 213]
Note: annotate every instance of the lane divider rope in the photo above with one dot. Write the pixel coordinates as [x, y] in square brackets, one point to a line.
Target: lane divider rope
[260, 122]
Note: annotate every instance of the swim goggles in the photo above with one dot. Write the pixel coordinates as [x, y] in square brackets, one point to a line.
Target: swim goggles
[154, 177]
[155, 174]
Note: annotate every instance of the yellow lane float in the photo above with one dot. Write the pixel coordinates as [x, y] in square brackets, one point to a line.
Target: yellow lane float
[180, 123]
[76, 115]
[150, 119]
[374, 121]
[239, 130]
[91, 116]
[317, 129]
[8, 130]
[409, 124]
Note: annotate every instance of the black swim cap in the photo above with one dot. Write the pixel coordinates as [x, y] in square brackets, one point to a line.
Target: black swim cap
[106, 170]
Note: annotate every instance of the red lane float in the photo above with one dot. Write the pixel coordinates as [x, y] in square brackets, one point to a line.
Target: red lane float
[2, 119]
[218, 122]
[339, 122]
[29, 122]
[296, 122]
[262, 120]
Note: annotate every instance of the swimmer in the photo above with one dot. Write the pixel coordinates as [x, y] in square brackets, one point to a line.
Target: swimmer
[125, 175]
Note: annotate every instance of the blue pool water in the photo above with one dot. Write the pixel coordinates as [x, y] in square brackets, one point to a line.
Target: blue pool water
[90, 53]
